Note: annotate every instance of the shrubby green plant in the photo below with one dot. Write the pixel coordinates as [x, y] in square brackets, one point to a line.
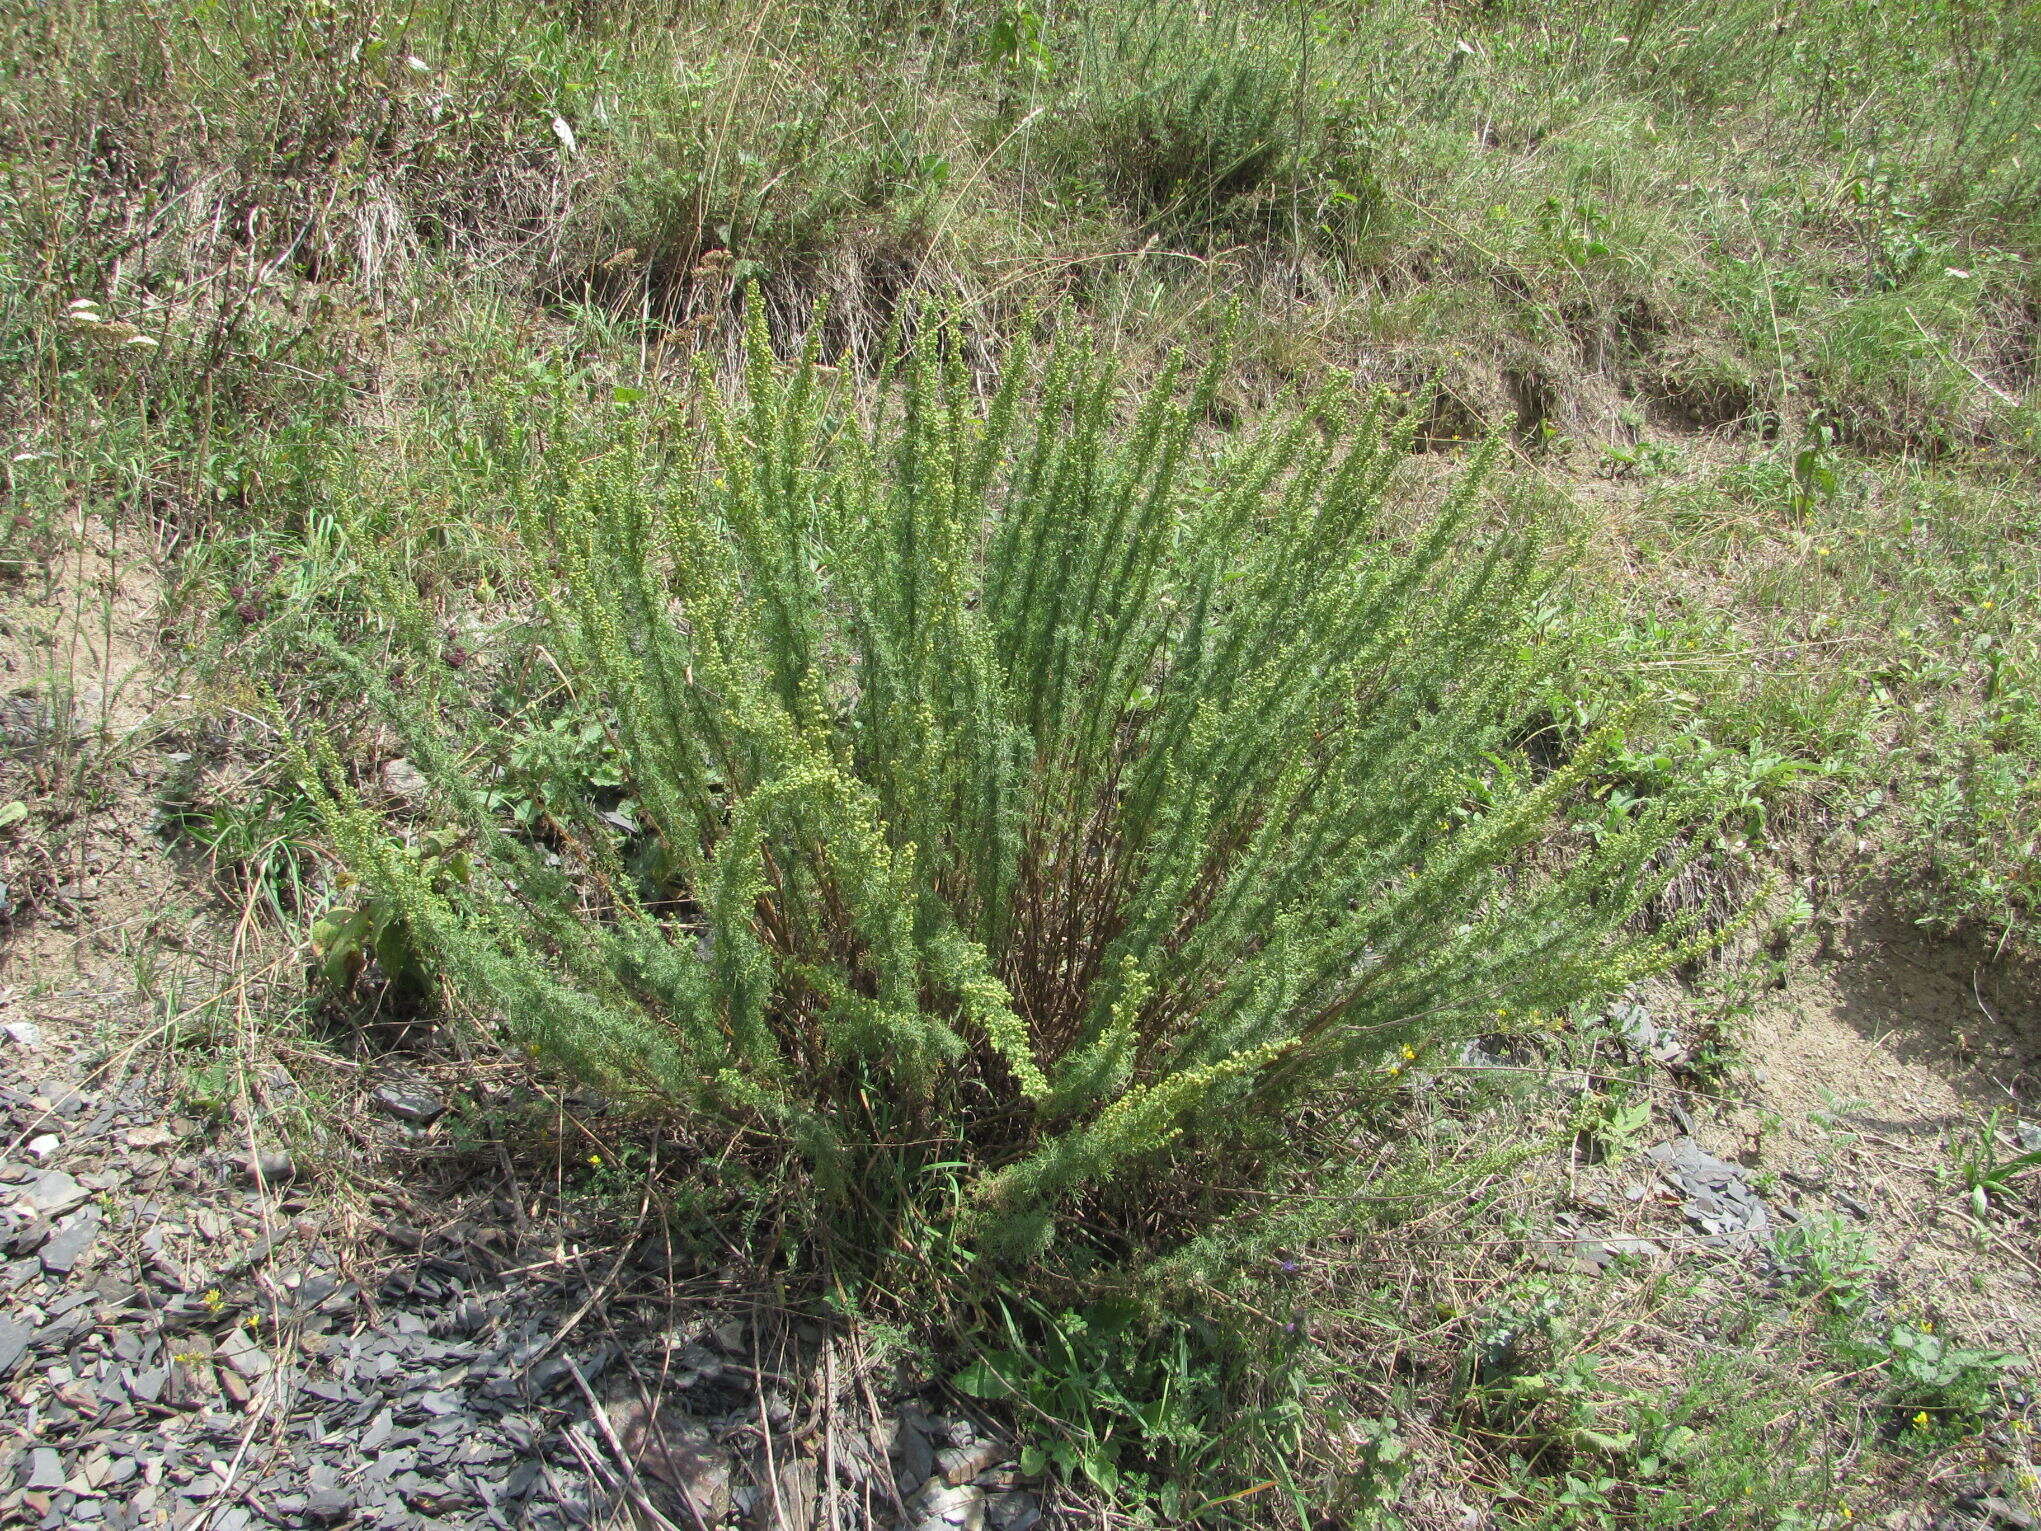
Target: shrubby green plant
[766, 163]
[1016, 781]
[1211, 131]
[1978, 814]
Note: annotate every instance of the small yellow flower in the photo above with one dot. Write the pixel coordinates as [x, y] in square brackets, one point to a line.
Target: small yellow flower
[1920, 1420]
[1409, 1051]
[1927, 1326]
[596, 1160]
[1395, 1069]
[1822, 552]
[1987, 605]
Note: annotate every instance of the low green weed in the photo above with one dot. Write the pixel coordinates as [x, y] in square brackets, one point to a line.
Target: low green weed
[1984, 1168]
[376, 928]
[1140, 1412]
[1610, 1123]
[1827, 1259]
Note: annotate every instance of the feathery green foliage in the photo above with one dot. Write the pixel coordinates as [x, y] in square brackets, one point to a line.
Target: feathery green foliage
[1017, 773]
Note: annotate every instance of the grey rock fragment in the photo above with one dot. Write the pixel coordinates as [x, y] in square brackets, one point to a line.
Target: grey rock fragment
[1634, 1024]
[669, 1446]
[328, 1506]
[1012, 1510]
[913, 1457]
[1577, 1252]
[54, 1193]
[243, 1354]
[272, 1169]
[960, 1464]
[23, 1033]
[1629, 1244]
[792, 1503]
[946, 1507]
[409, 1102]
[68, 1244]
[45, 1469]
[13, 1341]
[400, 778]
[2002, 1512]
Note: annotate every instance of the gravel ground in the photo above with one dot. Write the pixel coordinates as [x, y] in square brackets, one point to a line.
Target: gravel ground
[195, 1337]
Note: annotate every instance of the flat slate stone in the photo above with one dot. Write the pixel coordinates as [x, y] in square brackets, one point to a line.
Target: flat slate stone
[68, 1245]
[244, 1355]
[328, 1506]
[408, 1103]
[54, 1193]
[14, 1340]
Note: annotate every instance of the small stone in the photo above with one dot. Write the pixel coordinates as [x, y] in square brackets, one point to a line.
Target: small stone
[678, 1451]
[45, 1145]
[913, 1458]
[69, 1243]
[1629, 1244]
[14, 1340]
[45, 1469]
[400, 778]
[23, 1033]
[791, 1507]
[55, 1193]
[1012, 1511]
[409, 1103]
[2003, 1512]
[271, 1169]
[960, 1464]
[947, 1507]
[149, 1138]
[147, 1386]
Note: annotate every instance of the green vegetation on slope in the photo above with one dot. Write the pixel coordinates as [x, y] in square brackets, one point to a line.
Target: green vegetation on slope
[405, 333]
